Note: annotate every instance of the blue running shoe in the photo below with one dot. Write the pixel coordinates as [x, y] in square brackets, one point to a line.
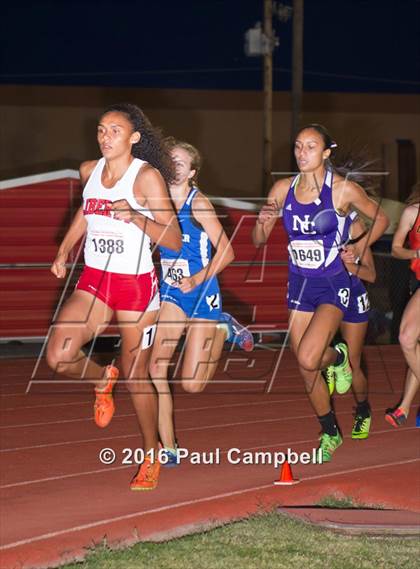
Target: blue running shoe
[238, 334]
[171, 455]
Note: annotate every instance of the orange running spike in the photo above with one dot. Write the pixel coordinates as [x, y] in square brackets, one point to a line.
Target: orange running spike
[104, 407]
[147, 476]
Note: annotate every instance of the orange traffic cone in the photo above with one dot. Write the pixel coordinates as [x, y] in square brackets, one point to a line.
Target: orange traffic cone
[286, 476]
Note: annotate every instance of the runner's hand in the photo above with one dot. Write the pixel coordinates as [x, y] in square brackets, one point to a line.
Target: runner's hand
[267, 213]
[58, 268]
[123, 211]
[348, 255]
[187, 284]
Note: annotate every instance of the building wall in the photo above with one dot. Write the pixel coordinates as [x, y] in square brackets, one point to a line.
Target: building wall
[47, 128]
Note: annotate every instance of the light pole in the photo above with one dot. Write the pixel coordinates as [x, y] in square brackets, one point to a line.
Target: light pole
[297, 67]
[268, 96]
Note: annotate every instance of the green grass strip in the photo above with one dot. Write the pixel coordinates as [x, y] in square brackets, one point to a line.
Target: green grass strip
[268, 541]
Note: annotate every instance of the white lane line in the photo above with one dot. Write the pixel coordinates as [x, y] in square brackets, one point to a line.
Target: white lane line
[62, 422]
[13, 395]
[124, 398]
[389, 391]
[189, 503]
[65, 476]
[65, 443]
[200, 428]
[114, 468]
[245, 382]
[186, 409]
[45, 406]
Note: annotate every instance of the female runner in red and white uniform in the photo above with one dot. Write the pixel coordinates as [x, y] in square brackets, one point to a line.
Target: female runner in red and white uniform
[409, 227]
[126, 206]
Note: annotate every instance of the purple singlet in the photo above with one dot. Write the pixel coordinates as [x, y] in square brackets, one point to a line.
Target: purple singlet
[315, 232]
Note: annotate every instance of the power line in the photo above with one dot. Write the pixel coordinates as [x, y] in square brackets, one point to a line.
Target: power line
[160, 72]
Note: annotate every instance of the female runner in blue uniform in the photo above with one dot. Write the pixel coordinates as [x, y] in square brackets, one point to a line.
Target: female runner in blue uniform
[315, 204]
[190, 294]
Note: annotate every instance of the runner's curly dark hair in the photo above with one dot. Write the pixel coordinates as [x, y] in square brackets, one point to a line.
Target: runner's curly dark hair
[150, 146]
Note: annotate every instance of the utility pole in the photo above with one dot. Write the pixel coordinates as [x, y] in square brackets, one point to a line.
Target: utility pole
[297, 69]
[268, 96]
[261, 41]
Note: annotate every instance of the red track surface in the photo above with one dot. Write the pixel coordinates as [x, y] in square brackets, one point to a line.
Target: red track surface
[58, 499]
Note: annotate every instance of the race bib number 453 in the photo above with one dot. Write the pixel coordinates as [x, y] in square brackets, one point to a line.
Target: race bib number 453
[306, 254]
[174, 270]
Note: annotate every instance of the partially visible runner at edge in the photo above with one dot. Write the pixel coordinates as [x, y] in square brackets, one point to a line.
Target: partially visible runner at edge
[359, 262]
[409, 336]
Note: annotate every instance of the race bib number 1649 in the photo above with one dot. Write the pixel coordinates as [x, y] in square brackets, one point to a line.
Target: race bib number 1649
[307, 254]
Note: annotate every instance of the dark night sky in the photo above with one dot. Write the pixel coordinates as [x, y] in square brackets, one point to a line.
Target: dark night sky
[349, 45]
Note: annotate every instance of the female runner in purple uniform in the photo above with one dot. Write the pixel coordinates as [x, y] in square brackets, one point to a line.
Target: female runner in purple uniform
[315, 204]
[359, 262]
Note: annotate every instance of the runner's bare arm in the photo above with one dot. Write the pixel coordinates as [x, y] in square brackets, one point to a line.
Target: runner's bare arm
[203, 212]
[365, 267]
[407, 221]
[353, 195]
[270, 212]
[150, 191]
[76, 230]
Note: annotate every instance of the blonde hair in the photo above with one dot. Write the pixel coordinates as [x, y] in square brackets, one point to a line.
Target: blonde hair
[196, 161]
